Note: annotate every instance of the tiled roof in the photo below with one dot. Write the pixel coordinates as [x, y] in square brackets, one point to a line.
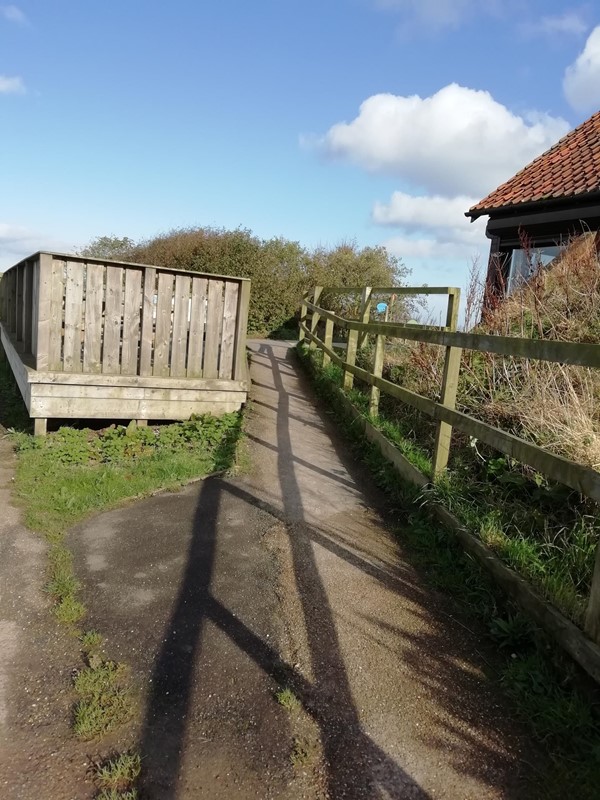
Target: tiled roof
[570, 168]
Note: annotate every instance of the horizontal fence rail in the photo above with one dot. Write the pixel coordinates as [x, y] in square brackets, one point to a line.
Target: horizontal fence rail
[82, 315]
[581, 478]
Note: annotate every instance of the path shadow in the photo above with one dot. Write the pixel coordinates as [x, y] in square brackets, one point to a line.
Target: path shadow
[357, 768]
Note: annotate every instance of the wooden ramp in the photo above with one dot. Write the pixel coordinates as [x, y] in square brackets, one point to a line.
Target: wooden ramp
[91, 338]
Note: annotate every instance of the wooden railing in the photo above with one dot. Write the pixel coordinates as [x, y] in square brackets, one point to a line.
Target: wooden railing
[83, 315]
[577, 476]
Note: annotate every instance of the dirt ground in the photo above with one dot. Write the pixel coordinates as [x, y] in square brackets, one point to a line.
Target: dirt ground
[226, 594]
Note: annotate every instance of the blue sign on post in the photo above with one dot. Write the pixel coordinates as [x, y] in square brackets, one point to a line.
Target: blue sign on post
[381, 308]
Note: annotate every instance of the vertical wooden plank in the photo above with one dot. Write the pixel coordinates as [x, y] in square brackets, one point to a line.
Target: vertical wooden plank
[55, 331]
[365, 315]
[131, 321]
[214, 320]
[164, 312]
[10, 283]
[73, 317]
[353, 337]
[303, 316]
[27, 304]
[113, 317]
[230, 305]
[240, 361]
[592, 615]
[94, 301]
[35, 307]
[315, 316]
[148, 316]
[19, 304]
[13, 299]
[441, 450]
[181, 312]
[40, 426]
[328, 340]
[377, 371]
[197, 323]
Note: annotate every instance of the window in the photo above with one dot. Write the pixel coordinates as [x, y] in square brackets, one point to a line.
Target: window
[525, 263]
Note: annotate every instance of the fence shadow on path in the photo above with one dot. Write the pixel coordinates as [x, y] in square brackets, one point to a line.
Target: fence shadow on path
[356, 766]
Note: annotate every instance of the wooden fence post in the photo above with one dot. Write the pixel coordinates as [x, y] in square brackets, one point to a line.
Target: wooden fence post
[314, 320]
[363, 316]
[592, 615]
[328, 340]
[303, 316]
[377, 372]
[443, 436]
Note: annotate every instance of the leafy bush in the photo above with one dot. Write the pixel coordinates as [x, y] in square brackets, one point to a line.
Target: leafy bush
[280, 270]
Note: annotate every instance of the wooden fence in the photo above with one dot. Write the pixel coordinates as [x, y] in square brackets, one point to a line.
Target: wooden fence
[165, 342]
[581, 478]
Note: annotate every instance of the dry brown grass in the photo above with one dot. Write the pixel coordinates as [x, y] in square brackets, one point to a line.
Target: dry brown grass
[553, 405]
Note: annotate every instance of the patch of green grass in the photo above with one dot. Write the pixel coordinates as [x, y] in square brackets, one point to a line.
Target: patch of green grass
[91, 641]
[542, 682]
[118, 773]
[104, 699]
[69, 474]
[116, 794]
[69, 610]
[287, 699]
[301, 753]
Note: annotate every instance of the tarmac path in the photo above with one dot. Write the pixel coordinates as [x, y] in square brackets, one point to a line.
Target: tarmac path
[286, 577]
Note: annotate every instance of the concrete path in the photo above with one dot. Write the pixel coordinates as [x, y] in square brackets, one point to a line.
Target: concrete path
[38, 756]
[286, 577]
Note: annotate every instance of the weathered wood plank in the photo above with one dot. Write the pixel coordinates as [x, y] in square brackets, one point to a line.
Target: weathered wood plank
[181, 313]
[328, 341]
[132, 308]
[55, 333]
[240, 362]
[377, 369]
[197, 324]
[19, 370]
[443, 437]
[101, 393]
[20, 272]
[113, 320]
[592, 614]
[214, 321]
[575, 353]
[73, 314]
[164, 314]
[93, 329]
[148, 321]
[148, 381]
[28, 275]
[230, 306]
[314, 321]
[80, 408]
[582, 479]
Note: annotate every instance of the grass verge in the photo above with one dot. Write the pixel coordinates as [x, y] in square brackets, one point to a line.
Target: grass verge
[544, 685]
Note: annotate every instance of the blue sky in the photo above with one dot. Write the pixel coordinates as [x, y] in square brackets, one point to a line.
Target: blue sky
[374, 120]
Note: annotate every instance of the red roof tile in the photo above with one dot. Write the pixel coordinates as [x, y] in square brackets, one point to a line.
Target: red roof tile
[570, 168]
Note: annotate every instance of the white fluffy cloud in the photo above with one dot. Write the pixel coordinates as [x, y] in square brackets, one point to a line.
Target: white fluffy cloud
[581, 83]
[13, 14]
[458, 141]
[431, 227]
[13, 85]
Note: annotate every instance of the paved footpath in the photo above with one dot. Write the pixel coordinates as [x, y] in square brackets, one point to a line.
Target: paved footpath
[224, 594]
